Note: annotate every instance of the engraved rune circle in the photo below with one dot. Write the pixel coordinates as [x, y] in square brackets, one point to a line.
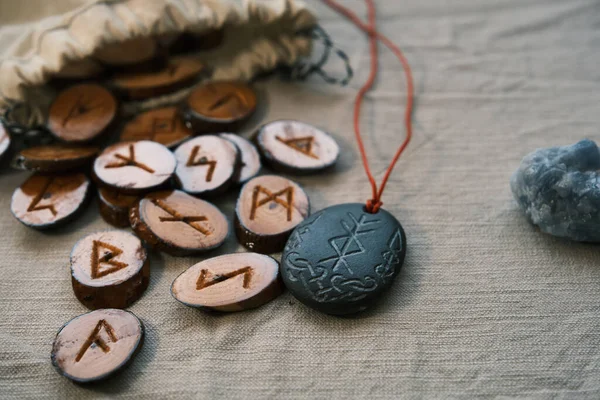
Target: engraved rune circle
[342, 258]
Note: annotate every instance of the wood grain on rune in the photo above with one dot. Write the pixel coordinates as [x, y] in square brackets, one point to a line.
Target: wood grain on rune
[232, 282]
[94, 345]
[4, 141]
[179, 224]
[115, 206]
[48, 201]
[81, 113]
[219, 106]
[55, 158]
[296, 147]
[161, 125]
[267, 210]
[250, 157]
[142, 53]
[109, 269]
[177, 74]
[135, 167]
[207, 165]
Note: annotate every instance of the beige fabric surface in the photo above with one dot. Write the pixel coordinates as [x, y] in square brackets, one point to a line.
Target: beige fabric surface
[485, 306]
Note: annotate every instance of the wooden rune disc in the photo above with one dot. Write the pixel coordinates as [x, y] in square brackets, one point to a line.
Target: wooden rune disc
[55, 158]
[82, 69]
[47, 201]
[177, 74]
[250, 157]
[132, 54]
[232, 282]
[341, 259]
[178, 224]
[94, 345]
[109, 269]
[219, 106]
[114, 206]
[161, 125]
[81, 113]
[4, 141]
[207, 165]
[267, 210]
[135, 167]
[296, 147]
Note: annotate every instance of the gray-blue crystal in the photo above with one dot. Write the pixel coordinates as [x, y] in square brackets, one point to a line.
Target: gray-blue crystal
[559, 190]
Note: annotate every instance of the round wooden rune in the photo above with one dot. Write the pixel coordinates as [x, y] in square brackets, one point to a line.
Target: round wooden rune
[109, 269]
[162, 125]
[4, 140]
[231, 282]
[43, 202]
[267, 210]
[134, 167]
[207, 165]
[93, 346]
[250, 157]
[296, 147]
[81, 113]
[178, 224]
[341, 259]
[219, 106]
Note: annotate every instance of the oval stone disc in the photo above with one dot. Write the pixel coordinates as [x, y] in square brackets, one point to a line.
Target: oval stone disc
[341, 259]
[92, 346]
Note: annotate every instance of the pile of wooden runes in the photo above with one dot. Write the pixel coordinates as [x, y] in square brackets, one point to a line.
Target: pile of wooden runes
[160, 177]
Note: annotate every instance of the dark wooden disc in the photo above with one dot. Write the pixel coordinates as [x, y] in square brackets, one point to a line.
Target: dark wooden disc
[219, 106]
[267, 210]
[250, 157]
[114, 206]
[4, 141]
[207, 165]
[55, 158]
[135, 167]
[137, 54]
[232, 282]
[296, 147]
[109, 269]
[82, 69]
[341, 259]
[93, 346]
[161, 125]
[177, 74]
[179, 224]
[81, 113]
[48, 201]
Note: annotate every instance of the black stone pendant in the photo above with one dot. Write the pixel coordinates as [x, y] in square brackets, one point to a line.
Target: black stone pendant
[342, 258]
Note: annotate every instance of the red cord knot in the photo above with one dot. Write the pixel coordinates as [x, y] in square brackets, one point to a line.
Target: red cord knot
[373, 205]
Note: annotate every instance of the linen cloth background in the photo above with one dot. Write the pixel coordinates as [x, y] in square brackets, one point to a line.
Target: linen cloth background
[485, 306]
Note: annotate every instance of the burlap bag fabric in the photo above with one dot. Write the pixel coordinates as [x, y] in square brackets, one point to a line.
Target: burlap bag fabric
[259, 35]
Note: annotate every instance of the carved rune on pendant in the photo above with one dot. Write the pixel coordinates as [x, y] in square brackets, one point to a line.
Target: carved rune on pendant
[129, 161]
[207, 279]
[33, 206]
[301, 144]
[96, 339]
[186, 219]
[288, 192]
[98, 258]
[192, 162]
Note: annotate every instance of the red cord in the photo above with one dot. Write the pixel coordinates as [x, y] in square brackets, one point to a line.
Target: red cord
[375, 203]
